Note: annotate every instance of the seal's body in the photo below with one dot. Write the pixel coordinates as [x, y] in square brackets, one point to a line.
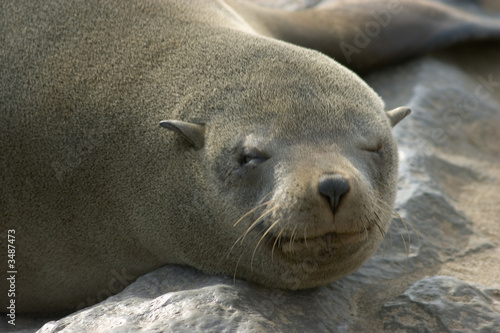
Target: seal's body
[279, 166]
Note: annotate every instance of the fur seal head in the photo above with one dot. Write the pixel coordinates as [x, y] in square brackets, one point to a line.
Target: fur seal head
[299, 187]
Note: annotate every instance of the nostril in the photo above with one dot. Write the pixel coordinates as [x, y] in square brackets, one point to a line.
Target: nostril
[333, 187]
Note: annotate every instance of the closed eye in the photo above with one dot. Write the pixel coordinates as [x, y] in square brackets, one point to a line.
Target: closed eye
[251, 157]
[374, 149]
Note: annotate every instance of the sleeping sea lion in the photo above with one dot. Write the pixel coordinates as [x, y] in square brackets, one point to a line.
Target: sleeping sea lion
[277, 166]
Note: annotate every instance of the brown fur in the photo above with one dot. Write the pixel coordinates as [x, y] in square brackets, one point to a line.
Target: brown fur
[99, 194]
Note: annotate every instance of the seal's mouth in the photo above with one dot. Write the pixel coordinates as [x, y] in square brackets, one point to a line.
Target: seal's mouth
[328, 240]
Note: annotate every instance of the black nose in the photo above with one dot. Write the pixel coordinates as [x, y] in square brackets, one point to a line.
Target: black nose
[333, 187]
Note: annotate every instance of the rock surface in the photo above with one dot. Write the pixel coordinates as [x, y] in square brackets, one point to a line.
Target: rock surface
[443, 304]
[437, 272]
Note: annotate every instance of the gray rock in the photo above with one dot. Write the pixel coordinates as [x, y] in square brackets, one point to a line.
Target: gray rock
[443, 304]
[180, 299]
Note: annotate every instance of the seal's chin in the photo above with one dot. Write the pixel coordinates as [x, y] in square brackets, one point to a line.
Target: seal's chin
[328, 240]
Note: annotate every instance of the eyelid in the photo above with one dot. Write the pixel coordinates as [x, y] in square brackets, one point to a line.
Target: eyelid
[251, 154]
[374, 148]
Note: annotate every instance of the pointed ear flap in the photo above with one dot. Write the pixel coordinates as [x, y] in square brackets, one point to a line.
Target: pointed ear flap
[194, 133]
[398, 114]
